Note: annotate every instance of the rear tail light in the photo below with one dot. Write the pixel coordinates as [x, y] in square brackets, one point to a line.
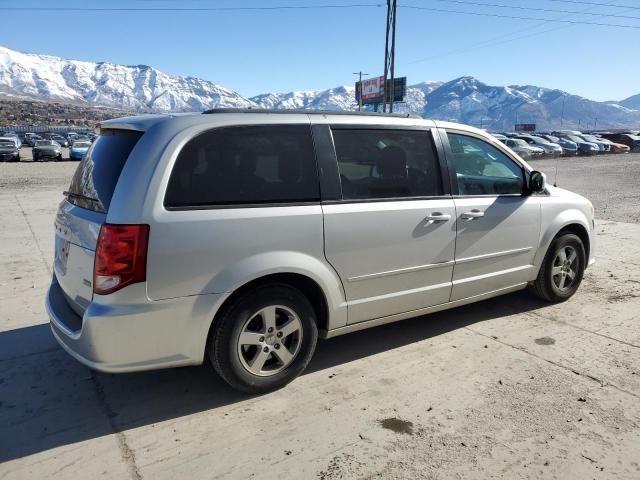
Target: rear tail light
[121, 257]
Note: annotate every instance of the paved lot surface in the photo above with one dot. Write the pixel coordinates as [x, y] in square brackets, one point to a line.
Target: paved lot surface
[508, 388]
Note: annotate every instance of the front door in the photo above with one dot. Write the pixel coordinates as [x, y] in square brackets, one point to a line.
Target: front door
[391, 235]
[498, 225]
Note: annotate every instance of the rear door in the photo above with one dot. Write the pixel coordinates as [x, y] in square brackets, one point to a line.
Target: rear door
[390, 230]
[83, 212]
[498, 225]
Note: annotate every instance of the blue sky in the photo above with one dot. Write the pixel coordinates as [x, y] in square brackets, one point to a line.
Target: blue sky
[254, 52]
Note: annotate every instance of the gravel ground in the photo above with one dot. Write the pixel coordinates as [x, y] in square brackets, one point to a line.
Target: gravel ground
[611, 182]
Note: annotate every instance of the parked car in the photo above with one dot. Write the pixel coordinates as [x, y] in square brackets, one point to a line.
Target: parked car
[522, 148]
[60, 140]
[160, 267]
[568, 147]
[78, 149]
[584, 147]
[24, 136]
[615, 147]
[12, 135]
[46, 149]
[9, 151]
[499, 136]
[537, 141]
[32, 139]
[12, 139]
[603, 146]
[568, 132]
[631, 141]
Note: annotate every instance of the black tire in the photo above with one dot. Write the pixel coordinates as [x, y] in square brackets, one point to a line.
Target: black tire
[225, 354]
[545, 286]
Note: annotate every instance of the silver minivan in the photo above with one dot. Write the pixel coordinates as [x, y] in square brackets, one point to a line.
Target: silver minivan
[241, 236]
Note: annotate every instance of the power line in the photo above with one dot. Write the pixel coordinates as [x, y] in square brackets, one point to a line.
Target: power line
[496, 41]
[517, 17]
[191, 9]
[599, 4]
[537, 9]
[302, 7]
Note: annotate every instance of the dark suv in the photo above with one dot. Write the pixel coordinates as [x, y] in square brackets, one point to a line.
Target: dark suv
[631, 141]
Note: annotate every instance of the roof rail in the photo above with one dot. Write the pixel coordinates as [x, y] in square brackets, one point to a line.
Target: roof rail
[308, 112]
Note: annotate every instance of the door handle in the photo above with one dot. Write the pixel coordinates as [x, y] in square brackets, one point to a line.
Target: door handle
[472, 214]
[438, 217]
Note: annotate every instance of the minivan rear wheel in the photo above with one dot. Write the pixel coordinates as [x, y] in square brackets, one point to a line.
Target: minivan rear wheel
[562, 269]
[264, 339]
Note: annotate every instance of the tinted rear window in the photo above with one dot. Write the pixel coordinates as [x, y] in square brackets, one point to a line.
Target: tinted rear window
[379, 163]
[95, 179]
[245, 165]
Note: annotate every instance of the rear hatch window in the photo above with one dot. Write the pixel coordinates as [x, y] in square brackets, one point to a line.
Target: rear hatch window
[97, 174]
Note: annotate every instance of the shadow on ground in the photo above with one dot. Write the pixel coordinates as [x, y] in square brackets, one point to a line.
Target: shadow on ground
[48, 400]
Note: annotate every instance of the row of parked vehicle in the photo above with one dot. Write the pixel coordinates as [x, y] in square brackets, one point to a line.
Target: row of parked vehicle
[45, 146]
[569, 142]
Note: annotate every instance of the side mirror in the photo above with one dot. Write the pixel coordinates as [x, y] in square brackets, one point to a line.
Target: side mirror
[537, 182]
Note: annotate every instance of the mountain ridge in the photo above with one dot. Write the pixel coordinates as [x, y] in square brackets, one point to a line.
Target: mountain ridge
[142, 88]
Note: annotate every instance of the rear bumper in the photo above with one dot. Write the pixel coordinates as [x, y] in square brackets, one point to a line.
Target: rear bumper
[132, 337]
[46, 154]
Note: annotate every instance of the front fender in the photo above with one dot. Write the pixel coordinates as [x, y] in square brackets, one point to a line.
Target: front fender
[553, 225]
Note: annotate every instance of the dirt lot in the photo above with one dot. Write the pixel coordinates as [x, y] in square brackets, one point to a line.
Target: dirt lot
[508, 388]
[611, 182]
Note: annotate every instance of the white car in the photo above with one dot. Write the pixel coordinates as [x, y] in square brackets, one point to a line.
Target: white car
[549, 148]
[522, 148]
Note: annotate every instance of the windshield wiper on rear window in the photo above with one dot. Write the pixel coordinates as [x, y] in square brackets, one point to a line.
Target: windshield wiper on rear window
[80, 197]
[77, 195]
[83, 201]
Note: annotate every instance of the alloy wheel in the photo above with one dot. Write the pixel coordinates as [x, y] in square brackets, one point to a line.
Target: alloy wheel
[565, 267]
[269, 340]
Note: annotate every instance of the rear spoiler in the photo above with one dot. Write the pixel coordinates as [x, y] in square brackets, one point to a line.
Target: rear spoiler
[136, 123]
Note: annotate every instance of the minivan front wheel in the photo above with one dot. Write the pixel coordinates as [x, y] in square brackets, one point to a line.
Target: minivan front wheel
[562, 269]
[264, 339]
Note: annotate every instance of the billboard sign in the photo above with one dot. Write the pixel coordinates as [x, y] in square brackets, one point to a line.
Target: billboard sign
[525, 127]
[372, 88]
[378, 87]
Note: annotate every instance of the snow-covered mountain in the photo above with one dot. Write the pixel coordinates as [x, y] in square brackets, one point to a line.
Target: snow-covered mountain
[137, 88]
[340, 98]
[142, 88]
[631, 102]
[470, 101]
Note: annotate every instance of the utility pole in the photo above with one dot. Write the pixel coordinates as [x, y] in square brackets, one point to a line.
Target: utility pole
[562, 114]
[386, 56]
[595, 123]
[360, 86]
[393, 55]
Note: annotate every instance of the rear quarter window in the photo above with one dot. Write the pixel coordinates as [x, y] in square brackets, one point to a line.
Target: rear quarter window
[95, 179]
[261, 164]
